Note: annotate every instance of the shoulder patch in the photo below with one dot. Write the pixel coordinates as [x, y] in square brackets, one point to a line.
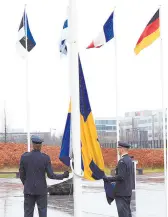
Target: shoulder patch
[122, 162]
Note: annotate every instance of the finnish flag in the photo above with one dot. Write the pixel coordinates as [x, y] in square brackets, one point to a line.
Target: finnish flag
[105, 35]
[63, 42]
[25, 41]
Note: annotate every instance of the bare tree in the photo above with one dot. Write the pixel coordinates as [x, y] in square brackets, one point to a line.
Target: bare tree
[5, 124]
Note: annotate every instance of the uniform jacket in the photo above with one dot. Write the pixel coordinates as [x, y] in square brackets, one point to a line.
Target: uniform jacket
[34, 166]
[124, 177]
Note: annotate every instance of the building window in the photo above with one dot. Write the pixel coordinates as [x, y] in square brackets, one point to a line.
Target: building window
[114, 128]
[108, 127]
[142, 121]
[111, 122]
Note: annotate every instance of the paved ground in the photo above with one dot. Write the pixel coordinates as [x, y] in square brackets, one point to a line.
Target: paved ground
[150, 199]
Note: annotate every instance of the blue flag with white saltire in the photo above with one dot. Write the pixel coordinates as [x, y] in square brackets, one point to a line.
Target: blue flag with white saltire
[25, 41]
[63, 42]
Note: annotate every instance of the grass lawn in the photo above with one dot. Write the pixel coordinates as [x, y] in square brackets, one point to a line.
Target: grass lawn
[145, 171]
[155, 170]
[107, 171]
[9, 169]
[8, 175]
[13, 169]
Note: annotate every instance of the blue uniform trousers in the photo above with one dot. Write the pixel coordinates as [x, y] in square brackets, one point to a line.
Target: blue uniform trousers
[29, 204]
[123, 206]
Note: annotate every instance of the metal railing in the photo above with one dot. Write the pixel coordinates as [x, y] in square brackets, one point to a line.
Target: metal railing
[156, 144]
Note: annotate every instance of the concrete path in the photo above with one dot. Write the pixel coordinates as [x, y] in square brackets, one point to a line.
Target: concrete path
[150, 199]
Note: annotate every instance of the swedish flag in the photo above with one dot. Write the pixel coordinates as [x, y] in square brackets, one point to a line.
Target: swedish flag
[92, 158]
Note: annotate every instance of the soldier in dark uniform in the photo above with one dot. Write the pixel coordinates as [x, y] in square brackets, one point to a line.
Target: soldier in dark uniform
[123, 181]
[34, 166]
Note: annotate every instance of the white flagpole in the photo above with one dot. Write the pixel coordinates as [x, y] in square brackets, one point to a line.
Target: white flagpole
[163, 105]
[27, 86]
[116, 77]
[75, 108]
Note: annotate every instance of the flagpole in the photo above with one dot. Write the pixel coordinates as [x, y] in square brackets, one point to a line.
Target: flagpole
[163, 105]
[27, 85]
[116, 79]
[75, 108]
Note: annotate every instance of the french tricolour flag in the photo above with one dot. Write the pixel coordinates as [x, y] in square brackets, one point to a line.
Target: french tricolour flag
[105, 35]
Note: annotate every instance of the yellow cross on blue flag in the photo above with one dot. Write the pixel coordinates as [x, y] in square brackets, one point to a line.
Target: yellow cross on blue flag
[92, 158]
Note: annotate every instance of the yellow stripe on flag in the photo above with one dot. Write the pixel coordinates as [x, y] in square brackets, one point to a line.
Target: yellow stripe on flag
[91, 149]
[69, 111]
[147, 41]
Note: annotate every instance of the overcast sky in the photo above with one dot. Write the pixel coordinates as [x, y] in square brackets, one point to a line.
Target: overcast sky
[139, 84]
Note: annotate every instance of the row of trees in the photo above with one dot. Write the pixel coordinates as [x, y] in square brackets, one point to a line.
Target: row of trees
[6, 136]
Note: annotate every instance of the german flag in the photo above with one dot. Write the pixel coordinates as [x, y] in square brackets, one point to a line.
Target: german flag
[150, 33]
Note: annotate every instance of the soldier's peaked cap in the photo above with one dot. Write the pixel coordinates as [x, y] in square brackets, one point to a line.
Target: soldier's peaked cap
[36, 139]
[123, 144]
